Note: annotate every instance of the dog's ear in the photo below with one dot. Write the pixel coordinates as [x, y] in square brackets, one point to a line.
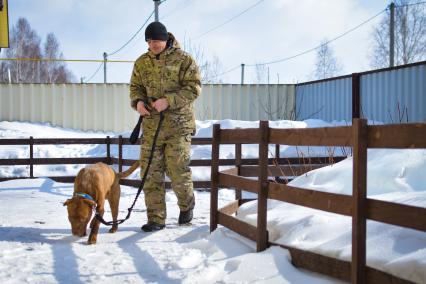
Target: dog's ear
[68, 201]
[91, 203]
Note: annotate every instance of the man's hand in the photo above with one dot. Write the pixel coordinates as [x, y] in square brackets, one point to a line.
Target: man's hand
[160, 104]
[140, 107]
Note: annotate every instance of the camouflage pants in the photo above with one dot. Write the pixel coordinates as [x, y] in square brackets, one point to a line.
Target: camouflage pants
[171, 156]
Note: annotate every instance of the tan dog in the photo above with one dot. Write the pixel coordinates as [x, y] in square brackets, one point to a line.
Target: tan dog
[93, 184]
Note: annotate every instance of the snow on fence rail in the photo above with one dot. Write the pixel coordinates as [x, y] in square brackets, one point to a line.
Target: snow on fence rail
[294, 166]
[360, 136]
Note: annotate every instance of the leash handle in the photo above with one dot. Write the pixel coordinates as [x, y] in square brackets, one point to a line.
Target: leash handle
[135, 133]
[136, 130]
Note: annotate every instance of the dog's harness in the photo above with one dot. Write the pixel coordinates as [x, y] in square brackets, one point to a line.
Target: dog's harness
[151, 156]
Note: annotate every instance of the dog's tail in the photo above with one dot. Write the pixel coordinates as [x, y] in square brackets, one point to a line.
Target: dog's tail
[129, 171]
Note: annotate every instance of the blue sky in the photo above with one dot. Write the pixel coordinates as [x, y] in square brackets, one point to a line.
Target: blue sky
[272, 30]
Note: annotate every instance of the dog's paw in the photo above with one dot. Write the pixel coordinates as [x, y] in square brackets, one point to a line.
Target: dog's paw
[113, 229]
[92, 240]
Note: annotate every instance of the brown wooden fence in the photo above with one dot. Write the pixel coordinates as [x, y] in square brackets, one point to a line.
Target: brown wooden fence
[120, 142]
[359, 136]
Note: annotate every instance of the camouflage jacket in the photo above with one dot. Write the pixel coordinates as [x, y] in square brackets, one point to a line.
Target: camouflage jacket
[174, 75]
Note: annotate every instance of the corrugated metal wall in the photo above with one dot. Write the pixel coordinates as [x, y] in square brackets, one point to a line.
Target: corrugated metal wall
[106, 107]
[245, 102]
[387, 96]
[81, 106]
[327, 100]
[390, 96]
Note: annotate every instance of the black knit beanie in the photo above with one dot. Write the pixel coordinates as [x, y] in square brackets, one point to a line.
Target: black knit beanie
[156, 31]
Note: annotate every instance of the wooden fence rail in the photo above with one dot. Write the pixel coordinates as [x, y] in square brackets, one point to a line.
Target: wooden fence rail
[360, 137]
[298, 165]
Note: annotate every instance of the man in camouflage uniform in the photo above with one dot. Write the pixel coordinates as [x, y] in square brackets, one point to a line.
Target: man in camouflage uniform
[166, 79]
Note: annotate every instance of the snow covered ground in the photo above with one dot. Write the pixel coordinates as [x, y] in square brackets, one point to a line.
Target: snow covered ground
[36, 245]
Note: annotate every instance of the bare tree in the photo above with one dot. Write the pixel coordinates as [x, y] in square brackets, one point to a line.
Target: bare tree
[410, 35]
[3, 72]
[209, 69]
[261, 74]
[54, 71]
[326, 64]
[268, 105]
[51, 51]
[274, 104]
[24, 45]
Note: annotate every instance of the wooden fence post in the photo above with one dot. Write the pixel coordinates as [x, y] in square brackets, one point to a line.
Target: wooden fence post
[214, 177]
[277, 159]
[262, 195]
[120, 153]
[238, 195]
[359, 201]
[31, 157]
[356, 95]
[108, 150]
[277, 152]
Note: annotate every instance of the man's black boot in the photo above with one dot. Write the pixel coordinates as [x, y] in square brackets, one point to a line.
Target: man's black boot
[186, 216]
[152, 226]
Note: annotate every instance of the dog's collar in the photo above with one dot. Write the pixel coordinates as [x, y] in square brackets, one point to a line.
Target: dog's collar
[84, 195]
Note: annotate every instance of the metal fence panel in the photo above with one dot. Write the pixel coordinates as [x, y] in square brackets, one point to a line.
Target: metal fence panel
[326, 100]
[395, 96]
[96, 107]
[106, 107]
[245, 102]
[388, 96]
